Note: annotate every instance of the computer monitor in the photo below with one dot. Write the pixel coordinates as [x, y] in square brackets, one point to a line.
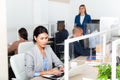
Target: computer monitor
[96, 21]
[91, 27]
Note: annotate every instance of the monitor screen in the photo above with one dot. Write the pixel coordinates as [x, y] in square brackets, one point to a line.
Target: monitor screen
[91, 27]
[95, 21]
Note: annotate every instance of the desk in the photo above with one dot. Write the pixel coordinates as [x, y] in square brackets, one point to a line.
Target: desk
[82, 70]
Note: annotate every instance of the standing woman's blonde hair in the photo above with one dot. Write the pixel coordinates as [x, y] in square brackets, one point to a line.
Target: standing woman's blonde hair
[82, 5]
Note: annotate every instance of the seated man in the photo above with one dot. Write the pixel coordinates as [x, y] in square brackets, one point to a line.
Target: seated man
[78, 46]
[60, 36]
[62, 33]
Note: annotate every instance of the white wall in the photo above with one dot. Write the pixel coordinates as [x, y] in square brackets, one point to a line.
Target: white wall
[25, 13]
[19, 14]
[57, 11]
[96, 8]
[40, 12]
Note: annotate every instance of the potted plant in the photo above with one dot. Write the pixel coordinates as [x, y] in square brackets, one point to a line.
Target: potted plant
[105, 70]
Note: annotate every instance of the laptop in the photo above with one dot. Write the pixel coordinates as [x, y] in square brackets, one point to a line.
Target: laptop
[54, 77]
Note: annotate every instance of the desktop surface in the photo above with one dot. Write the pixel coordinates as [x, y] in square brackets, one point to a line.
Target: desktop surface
[82, 70]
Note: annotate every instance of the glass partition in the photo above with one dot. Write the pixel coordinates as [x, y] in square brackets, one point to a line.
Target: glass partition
[98, 52]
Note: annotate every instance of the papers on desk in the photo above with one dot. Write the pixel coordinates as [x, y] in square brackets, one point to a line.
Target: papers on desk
[92, 61]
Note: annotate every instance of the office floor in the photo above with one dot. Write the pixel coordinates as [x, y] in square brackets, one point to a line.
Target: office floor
[11, 74]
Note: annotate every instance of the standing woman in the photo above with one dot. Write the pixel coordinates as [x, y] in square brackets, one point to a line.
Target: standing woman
[38, 61]
[82, 18]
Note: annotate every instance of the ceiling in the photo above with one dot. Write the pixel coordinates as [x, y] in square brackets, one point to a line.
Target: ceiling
[64, 1]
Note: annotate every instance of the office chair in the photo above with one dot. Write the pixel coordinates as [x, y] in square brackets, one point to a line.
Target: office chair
[60, 50]
[18, 66]
[25, 46]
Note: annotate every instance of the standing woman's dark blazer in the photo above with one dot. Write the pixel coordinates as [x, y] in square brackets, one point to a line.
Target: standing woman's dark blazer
[87, 19]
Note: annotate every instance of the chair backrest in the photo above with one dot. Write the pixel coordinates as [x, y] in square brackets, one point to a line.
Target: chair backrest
[18, 66]
[25, 46]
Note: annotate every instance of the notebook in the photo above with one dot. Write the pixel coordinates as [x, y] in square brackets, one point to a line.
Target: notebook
[91, 57]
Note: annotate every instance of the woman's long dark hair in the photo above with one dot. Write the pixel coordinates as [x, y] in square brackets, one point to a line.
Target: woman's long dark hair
[23, 33]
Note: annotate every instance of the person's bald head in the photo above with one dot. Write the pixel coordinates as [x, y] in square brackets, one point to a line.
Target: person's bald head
[77, 32]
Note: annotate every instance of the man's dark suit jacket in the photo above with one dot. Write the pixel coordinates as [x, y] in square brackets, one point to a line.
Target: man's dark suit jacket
[61, 36]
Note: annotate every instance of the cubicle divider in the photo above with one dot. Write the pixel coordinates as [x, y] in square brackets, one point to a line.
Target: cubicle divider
[115, 44]
[102, 35]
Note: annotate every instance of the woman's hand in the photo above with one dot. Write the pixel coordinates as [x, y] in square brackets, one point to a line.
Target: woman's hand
[61, 69]
[55, 72]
